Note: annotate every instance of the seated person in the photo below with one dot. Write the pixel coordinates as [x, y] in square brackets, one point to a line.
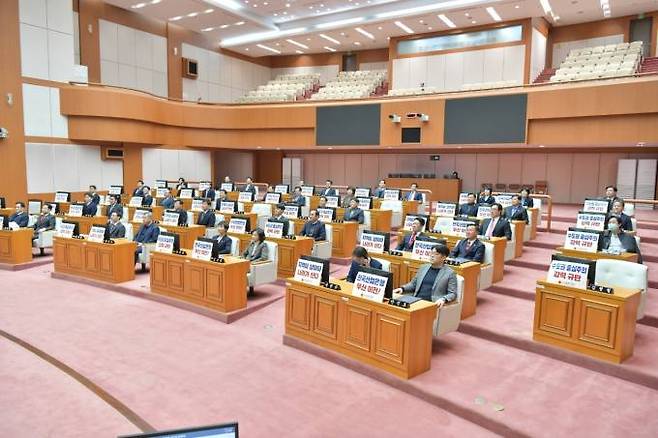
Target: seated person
[115, 228]
[148, 233]
[354, 213]
[526, 200]
[360, 258]
[206, 216]
[249, 187]
[147, 199]
[182, 214]
[45, 222]
[138, 189]
[278, 215]
[381, 188]
[182, 184]
[297, 197]
[516, 212]
[322, 202]
[413, 194]
[168, 201]
[470, 248]
[95, 197]
[222, 197]
[624, 220]
[314, 227]
[434, 281]
[90, 207]
[208, 193]
[486, 197]
[257, 250]
[328, 190]
[407, 243]
[496, 225]
[114, 205]
[611, 196]
[615, 239]
[349, 195]
[222, 238]
[470, 208]
[20, 216]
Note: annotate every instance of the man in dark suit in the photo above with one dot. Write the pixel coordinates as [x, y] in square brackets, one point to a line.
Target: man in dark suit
[20, 216]
[115, 228]
[148, 233]
[314, 228]
[381, 188]
[470, 248]
[414, 194]
[278, 215]
[614, 239]
[182, 214]
[46, 220]
[222, 238]
[94, 196]
[147, 199]
[516, 212]
[611, 196]
[486, 197]
[90, 207]
[114, 205]
[208, 193]
[222, 197]
[407, 243]
[168, 201]
[624, 220]
[249, 187]
[206, 216]
[526, 200]
[470, 208]
[297, 197]
[496, 226]
[139, 188]
[354, 213]
[328, 190]
[360, 258]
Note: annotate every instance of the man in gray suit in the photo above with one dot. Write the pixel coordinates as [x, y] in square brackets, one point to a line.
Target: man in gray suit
[116, 230]
[433, 282]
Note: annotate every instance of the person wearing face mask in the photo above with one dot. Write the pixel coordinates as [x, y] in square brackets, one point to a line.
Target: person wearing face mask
[614, 239]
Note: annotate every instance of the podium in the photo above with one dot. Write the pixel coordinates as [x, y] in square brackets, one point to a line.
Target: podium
[16, 246]
[114, 263]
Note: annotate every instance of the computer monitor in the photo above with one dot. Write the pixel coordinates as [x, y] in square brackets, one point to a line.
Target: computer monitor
[591, 273]
[247, 228]
[4, 219]
[34, 206]
[388, 291]
[176, 239]
[3, 204]
[387, 238]
[76, 227]
[583, 230]
[324, 277]
[286, 224]
[227, 430]
[214, 253]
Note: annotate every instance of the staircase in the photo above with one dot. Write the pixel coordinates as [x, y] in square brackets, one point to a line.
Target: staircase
[544, 76]
[649, 66]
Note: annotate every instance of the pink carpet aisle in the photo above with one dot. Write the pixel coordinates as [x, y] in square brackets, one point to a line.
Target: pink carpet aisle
[151, 365]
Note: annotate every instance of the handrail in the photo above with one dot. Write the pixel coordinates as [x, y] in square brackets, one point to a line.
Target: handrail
[549, 214]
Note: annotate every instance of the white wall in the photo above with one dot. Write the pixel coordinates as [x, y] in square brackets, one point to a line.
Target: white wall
[327, 72]
[537, 54]
[133, 59]
[449, 72]
[172, 164]
[374, 65]
[76, 37]
[41, 115]
[52, 167]
[46, 39]
[561, 50]
[221, 78]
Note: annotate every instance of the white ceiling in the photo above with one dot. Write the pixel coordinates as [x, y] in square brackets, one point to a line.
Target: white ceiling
[272, 23]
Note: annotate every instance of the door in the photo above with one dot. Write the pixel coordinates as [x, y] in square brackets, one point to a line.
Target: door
[641, 31]
[349, 63]
[292, 171]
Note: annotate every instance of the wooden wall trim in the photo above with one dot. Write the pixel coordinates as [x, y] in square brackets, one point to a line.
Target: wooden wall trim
[322, 59]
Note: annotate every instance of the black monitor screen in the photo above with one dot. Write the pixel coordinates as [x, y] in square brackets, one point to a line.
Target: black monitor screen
[591, 273]
[215, 245]
[76, 227]
[4, 219]
[325, 266]
[3, 204]
[388, 291]
[176, 239]
[410, 135]
[228, 430]
[436, 240]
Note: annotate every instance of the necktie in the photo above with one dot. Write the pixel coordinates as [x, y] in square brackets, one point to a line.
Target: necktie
[412, 240]
[491, 227]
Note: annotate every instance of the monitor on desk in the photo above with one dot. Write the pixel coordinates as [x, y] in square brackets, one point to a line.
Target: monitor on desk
[227, 430]
[591, 272]
[388, 291]
[4, 221]
[324, 278]
[214, 253]
[3, 204]
[247, 228]
[76, 227]
[176, 239]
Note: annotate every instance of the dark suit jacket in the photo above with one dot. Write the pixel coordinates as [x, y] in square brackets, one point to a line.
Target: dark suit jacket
[468, 210]
[147, 234]
[299, 200]
[95, 198]
[527, 202]
[256, 252]
[138, 192]
[208, 194]
[328, 192]
[286, 223]
[21, 219]
[315, 230]
[416, 196]
[147, 201]
[249, 188]
[627, 241]
[46, 222]
[486, 200]
[224, 244]
[520, 215]
[182, 217]
[354, 215]
[354, 268]
[89, 209]
[206, 218]
[406, 245]
[168, 202]
[502, 228]
[116, 207]
[475, 252]
[116, 231]
[379, 193]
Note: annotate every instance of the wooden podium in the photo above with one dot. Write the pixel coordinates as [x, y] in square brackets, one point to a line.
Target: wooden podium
[391, 338]
[113, 263]
[591, 323]
[519, 228]
[217, 286]
[380, 220]
[16, 246]
[289, 251]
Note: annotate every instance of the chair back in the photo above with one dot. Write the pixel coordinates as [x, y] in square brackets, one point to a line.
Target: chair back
[329, 231]
[386, 265]
[235, 246]
[629, 209]
[488, 253]
[130, 233]
[621, 273]
[261, 209]
[272, 251]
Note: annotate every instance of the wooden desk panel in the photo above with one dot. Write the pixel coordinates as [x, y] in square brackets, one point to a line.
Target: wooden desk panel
[289, 251]
[591, 323]
[380, 220]
[7, 211]
[113, 263]
[217, 286]
[442, 189]
[519, 228]
[16, 246]
[86, 222]
[396, 340]
[534, 222]
[625, 256]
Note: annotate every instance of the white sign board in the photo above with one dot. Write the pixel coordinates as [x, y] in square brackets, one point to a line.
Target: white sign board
[274, 229]
[196, 204]
[308, 272]
[61, 197]
[228, 187]
[363, 203]
[374, 243]
[582, 241]
[332, 201]
[590, 221]
[165, 244]
[135, 201]
[245, 196]
[361, 192]
[445, 209]
[170, 218]
[161, 183]
[391, 195]
[459, 227]
[186, 193]
[369, 286]
[96, 234]
[237, 225]
[161, 192]
[504, 200]
[227, 207]
[568, 274]
[463, 198]
[202, 250]
[139, 215]
[307, 190]
[114, 190]
[326, 214]
[409, 221]
[291, 211]
[484, 211]
[272, 198]
[281, 188]
[595, 206]
[75, 210]
[65, 230]
[204, 185]
[422, 249]
[443, 225]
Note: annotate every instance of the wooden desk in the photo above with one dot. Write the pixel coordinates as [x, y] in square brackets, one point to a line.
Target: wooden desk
[534, 221]
[625, 256]
[442, 189]
[380, 220]
[7, 211]
[253, 218]
[187, 234]
[156, 211]
[590, 323]
[16, 246]
[343, 236]
[218, 286]
[519, 227]
[289, 251]
[86, 222]
[408, 207]
[113, 263]
[404, 269]
[391, 338]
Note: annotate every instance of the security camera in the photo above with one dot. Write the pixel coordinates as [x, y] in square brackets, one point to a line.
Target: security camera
[4, 133]
[394, 118]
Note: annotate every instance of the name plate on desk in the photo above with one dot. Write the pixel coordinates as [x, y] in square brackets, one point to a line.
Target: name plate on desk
[372, 242]
[202, 250]
[186, 193]
[291, 211]
[96, 234]
[281, 188]
[445, 209]
[307, 190]
[326, 214]
[139, 214]
[484, 212]
[332, 201]
[165, 244]
[227, 187]
[237, 225]
[170, 218]
[595, 206]
[590, 221]
[196, 204]
[308, 272]
[568, 274]
[391, 195]
[504, 200]
[582, 241]
[370, 286]
[272, 198]
[227, 207]
[245, 196]
[65, 230]
[61, 197]
[135, 201]
[274, 229]
[75, 210]
[422, 249]
[160, 192]
[361, 192]
[443, 225]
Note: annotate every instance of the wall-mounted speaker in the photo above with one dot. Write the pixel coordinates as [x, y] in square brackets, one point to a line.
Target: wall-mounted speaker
[111, 153]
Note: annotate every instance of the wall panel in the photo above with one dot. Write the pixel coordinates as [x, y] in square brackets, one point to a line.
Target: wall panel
[584, 177]
[534, 168]
[509, 169]
[487, 170]
[559, 169]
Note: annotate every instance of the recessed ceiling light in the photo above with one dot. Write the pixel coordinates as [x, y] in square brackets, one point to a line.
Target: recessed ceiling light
[494, 14]
[404, 27]
[342, 33]
[263, 46]
[275, 14]
[516, 6]
[192, 14]
[299, 51]
[265, 3]
[207, 29]
[447, 21]
[421, 21]
[379, 28]
[429, 28]
[247, 49]
[287, 5]
[277, 44]
[155, 2]
[474, 22]
[356, 43]
[298, 44]
[328, 38]
[175, 18]
[308, 39]
[239, 23]
[331, 49]
[208, 11]
[138, 6]
[224, 26]
[364, 33]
